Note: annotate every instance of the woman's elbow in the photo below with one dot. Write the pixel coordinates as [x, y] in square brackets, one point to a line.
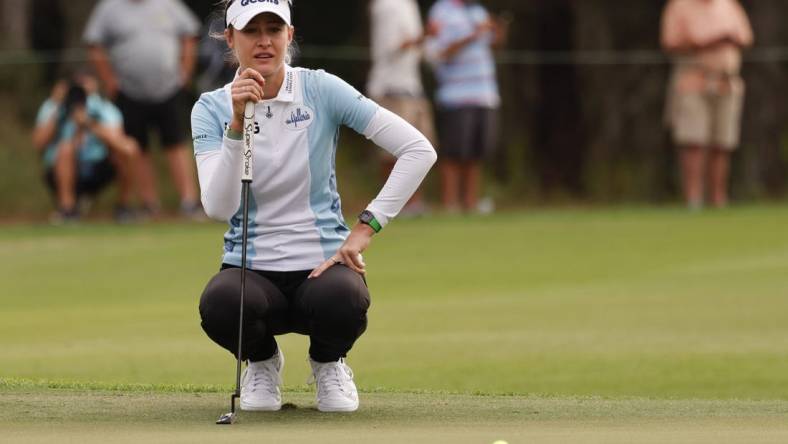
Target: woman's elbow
[431, 155]
[217, 211]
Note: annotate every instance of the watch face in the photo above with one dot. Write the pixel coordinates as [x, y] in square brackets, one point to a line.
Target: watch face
[365, 217]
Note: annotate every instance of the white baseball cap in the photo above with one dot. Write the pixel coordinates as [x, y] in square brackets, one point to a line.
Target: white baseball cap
[241, 12]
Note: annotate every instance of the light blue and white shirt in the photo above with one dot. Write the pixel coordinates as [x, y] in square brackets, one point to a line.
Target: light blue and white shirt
[295, 212]
[468, 78]
[92, 149]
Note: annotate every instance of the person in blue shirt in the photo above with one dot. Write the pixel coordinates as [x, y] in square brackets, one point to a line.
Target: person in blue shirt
[79, 136]
[307, 272]
[467, 95]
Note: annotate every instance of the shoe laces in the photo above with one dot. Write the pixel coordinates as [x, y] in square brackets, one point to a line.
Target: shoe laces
[331, 376]
[263, 375]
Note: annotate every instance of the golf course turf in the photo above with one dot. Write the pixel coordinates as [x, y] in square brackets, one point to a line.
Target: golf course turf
[615, 325]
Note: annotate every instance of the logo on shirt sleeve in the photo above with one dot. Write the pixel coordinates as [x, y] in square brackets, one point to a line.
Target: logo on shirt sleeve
[299, 117]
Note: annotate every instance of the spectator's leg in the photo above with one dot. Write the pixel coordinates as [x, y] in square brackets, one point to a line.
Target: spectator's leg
[146, 178]
[136, 116]
[692, 166]
[179, 159]
[450, 170]
[125, 157]
[66, 176]
[471, 180]
[727, 128]
[128, 171]
[719, 171]
[182, 173]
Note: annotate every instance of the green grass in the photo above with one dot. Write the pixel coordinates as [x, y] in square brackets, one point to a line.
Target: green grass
[627, 306]
[33, 413]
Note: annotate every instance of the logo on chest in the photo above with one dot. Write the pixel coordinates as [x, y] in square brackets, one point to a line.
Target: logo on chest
[299, 117]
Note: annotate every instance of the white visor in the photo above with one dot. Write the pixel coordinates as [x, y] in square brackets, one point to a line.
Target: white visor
[242, 11]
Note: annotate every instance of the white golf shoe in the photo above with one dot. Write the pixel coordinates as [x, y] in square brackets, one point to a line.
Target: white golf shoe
[336, 391]
[260, 384]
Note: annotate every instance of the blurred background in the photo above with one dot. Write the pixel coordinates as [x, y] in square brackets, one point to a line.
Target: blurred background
[583, 86]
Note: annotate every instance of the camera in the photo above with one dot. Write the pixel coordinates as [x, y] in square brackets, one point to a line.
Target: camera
[76, 96]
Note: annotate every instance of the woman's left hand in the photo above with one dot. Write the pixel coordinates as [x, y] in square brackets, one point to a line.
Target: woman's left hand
[349, 253]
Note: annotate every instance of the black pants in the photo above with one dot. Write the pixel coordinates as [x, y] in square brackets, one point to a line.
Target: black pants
[331, 309]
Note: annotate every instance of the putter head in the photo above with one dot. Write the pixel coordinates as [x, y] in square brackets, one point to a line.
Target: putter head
[227, 418]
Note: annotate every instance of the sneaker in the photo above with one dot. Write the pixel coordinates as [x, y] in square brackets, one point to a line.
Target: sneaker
[260, 384]
[193, 211]
[149, 211]
[124, 215]
[485, 206]
[64, 217]
[336, 391]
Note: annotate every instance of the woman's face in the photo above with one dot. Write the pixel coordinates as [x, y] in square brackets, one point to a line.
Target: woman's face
[262, 44]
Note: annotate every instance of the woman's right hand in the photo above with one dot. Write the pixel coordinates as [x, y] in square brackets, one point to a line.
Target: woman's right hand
[248, 87]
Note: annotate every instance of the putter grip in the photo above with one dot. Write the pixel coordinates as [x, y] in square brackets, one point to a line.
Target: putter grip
[248, 160]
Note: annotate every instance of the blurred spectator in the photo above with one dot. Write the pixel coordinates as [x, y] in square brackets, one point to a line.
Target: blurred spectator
[706, 93]
[83, 147]
[395, 78]
[144, 52]
[467, 96]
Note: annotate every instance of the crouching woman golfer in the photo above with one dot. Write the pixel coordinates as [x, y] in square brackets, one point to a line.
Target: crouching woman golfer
[306, 266]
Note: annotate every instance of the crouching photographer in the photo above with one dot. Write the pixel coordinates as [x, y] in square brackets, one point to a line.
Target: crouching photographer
[83, 148]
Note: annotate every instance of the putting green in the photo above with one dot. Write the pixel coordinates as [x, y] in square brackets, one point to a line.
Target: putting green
[39, 415]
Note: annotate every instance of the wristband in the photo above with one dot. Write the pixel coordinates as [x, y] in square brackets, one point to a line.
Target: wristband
[233, 134]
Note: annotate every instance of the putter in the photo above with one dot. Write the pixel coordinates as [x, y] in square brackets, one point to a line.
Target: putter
[246, 180]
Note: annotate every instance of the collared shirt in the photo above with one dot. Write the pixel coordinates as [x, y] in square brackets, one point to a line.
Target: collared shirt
[143, 39]
[395, 71]
[468, 78]
[296, 220]
[295, 214]
[699, 23]
[91, 150]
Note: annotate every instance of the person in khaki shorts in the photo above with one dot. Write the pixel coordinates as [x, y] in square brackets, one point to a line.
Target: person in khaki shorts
[706, 92]
[394, 80]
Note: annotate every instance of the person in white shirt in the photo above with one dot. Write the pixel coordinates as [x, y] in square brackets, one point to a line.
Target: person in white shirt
[307, 273]
[395, 79]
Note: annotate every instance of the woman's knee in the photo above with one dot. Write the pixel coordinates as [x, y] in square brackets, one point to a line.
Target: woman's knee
[222, 295]
[219, 299]
[339, 295]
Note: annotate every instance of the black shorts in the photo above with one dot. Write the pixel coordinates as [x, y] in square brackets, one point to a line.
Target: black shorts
[467, 133]
[93, 178]
[139, 117]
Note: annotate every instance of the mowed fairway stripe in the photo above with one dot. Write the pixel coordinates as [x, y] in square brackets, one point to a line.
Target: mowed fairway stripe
[131, 417]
